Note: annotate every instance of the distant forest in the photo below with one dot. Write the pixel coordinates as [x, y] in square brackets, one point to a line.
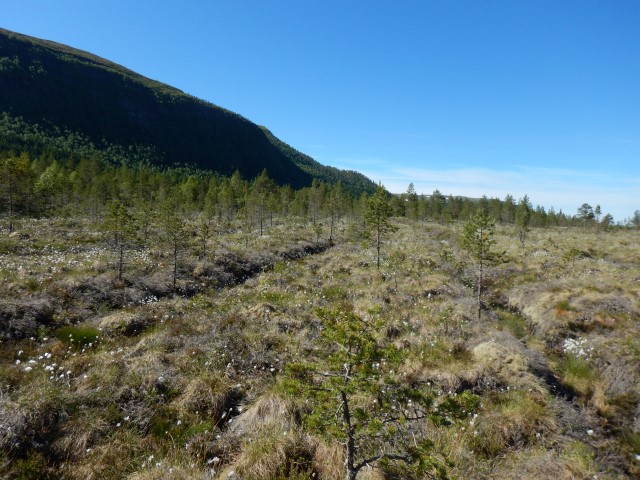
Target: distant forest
[81, 182]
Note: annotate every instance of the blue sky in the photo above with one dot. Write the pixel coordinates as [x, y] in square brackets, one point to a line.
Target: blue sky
[468, 97]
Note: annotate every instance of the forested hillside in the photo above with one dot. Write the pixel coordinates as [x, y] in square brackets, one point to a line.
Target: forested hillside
[58, 100]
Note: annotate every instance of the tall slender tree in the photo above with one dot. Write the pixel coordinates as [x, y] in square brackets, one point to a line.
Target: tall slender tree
[315, 200]
[597, 212]
[16, 185]
[437, 203]
[411, 202]
[335, 205]
[51, 185]
[173, 231]
[523, 219]
[377, 214]
[120, 226]
[477, 240]
[508, 209]
[261, 188]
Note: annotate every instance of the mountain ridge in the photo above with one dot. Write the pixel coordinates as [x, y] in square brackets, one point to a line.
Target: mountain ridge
[110, 105]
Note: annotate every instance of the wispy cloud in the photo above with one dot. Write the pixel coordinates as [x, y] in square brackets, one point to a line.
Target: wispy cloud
[560, 188]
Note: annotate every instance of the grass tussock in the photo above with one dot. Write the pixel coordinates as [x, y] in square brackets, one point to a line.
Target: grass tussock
[274, 453]
[511, 420]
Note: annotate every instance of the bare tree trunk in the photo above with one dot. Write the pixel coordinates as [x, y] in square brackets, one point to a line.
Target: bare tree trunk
[261, 218]
[331, 229]
[121, 262]
[350, 470]
[175, 263]
[378, 247]
[479, 288]
[10, 205]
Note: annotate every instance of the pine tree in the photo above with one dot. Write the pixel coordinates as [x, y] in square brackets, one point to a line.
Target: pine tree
[523, 219]
[606, 222]
[206, 228]
[173, 231]
[16, 185]
[411, 202]
[377, 214]
[597, 212]
[508, 209]
[261, 189]
[335, 206]
[51, 184]
[316, 198]
[585, 214]
[437, 204]
[119, 224]
[477, 240]
[357, 400]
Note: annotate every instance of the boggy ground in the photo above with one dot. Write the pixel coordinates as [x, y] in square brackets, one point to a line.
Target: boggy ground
[148, 383]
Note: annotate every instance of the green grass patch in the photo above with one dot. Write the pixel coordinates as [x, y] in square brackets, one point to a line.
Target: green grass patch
[578, 367]
[513, 322]
[8, 246]
[579, 375]
[78, 335]
[33, 467]
[278, 298]
[279, 267]
[580, 456]
[334, 292]
[436, 353]
[632, 439]
[167, 425]
[564, 306]
[509, 419]
[197, 429]
[574, 254]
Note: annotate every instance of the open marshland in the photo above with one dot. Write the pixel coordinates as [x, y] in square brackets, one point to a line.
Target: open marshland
[105, 377]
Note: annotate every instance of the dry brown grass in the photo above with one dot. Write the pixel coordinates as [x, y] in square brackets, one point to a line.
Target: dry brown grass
[273, 453]
[328, 460]
[269, 409]
[120, 456]
[540, 463]
[80, 434]
[172, 472]
[512, 420]
[208, 395]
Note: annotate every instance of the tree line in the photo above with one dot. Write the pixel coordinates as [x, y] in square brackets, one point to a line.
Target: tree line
[49, 185]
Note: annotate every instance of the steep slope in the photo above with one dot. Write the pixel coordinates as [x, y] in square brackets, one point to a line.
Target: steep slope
[50, 92]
